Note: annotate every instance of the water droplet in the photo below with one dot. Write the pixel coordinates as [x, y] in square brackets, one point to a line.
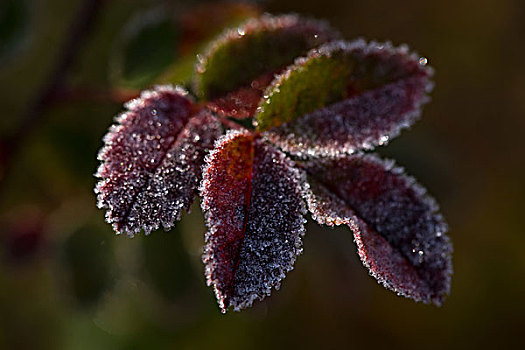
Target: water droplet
[423, 61]
[383, 140]
[241, 31]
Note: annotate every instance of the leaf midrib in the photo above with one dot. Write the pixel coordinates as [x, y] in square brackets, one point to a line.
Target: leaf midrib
[247, 203]
[151, 172]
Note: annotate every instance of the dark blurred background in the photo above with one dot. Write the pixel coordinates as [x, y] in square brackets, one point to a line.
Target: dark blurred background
[67, 282]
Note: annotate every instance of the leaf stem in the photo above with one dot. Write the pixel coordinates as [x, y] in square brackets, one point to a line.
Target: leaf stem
[230, 123]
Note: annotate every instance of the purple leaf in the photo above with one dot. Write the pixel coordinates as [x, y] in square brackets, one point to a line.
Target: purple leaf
[151, 160]
[252, 199]
[344, 97]
[399, 233]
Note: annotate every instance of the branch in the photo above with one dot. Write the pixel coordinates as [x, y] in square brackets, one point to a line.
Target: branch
[78, 33]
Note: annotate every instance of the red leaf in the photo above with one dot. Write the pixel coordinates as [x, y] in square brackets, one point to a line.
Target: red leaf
[383, 91]
[243, 102]
[399, 233]
[254, 211]
[151, 160]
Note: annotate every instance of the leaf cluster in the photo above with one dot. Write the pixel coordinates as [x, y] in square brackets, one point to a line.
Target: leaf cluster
[280, 114]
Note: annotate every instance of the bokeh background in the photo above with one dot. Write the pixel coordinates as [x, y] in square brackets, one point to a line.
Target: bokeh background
[67, 282]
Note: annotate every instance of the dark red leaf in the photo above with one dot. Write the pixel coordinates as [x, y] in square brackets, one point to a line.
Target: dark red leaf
[344, 97]
[399, 233]
[152, 159]
[254, 211]
[243, 102]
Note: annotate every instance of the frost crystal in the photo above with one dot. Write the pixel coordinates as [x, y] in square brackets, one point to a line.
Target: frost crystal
[399, 233]
[361, 122]
[370, 92]
[152, 159]
[254, 211]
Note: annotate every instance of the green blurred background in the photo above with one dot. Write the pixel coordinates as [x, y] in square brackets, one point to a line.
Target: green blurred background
[67, 282]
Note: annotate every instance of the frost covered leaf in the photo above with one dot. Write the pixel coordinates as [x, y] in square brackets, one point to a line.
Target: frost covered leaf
[152, 160]
[343, 97]
[241, 56]
[252, 199]
[399, 233]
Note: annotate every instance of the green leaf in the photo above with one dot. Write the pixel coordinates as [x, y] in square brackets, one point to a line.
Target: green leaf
[87, 257]
[334, 73]
[200, 25]
[159, 47]
[146, 48]
[166, 263]
[260, 46]
[14, 21]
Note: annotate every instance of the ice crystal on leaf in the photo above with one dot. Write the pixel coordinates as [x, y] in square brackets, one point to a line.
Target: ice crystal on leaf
[151, 161]
[329, 102]
[396, 226]
[344, 97]
[252, 199]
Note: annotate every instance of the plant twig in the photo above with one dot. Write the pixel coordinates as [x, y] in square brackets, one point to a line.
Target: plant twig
[78, 33]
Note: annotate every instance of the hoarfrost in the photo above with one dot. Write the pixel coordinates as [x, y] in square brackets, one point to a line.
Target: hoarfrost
[397, 228]
[357, 123]
[252, 198]
[385, 92]
[151, 160]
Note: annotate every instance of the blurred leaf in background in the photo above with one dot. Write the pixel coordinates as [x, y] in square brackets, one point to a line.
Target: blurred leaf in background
[160, 44]
[14, 27]
[87, 260]
[144, 49]
[166, 263]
